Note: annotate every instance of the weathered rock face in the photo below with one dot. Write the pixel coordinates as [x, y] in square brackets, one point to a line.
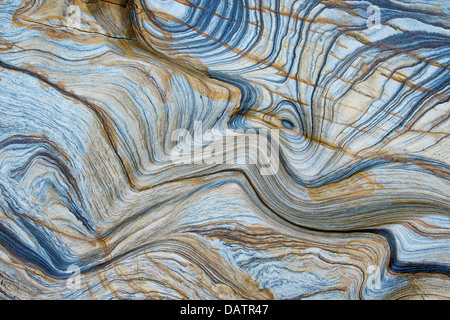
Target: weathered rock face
[224, 149]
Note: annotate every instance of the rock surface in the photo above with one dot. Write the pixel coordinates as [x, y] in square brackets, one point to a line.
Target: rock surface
[354, 96]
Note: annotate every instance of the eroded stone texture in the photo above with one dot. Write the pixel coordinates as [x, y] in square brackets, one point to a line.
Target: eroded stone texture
[93, 204]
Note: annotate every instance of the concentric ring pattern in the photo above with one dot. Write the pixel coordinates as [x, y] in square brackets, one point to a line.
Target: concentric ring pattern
[118, 179]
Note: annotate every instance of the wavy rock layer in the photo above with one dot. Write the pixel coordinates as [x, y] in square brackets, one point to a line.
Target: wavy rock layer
[92, 205]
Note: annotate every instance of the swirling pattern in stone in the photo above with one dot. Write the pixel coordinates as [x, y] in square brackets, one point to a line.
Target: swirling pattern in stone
[92, 205]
